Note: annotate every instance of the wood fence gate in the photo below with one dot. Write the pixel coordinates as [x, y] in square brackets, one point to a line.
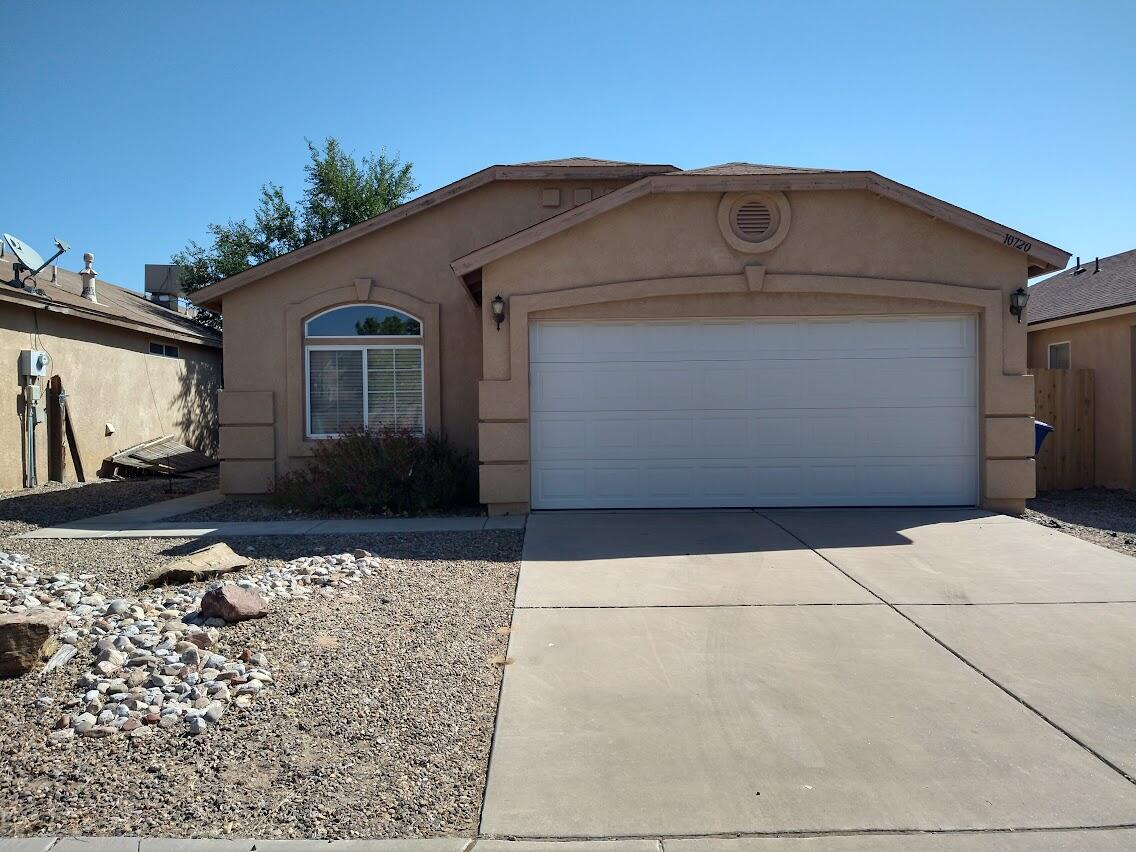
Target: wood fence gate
[1064, 400]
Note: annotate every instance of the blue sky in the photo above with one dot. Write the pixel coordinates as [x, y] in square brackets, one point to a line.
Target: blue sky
[128, 127]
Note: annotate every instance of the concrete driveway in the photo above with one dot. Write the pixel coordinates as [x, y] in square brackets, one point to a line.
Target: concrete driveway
[687, 674]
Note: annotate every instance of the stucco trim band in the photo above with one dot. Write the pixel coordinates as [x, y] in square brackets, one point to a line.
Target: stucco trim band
[245, 408]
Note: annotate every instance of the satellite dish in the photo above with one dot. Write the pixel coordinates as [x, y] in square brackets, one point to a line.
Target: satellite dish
[29, 258]
[25, 254]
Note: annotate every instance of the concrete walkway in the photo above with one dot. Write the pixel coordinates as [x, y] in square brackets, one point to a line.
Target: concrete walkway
[152, 522]
[1114, 840]
[685, 674]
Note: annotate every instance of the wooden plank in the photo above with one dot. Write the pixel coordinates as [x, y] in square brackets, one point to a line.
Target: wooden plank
[1065, 400]
[72, 441]
[55, 455]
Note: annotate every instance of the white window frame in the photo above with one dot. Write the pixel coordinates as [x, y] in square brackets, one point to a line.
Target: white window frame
[308, 321]
[362, 350]
[1049, 355]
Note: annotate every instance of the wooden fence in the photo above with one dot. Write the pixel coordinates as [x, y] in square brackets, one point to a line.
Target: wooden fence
[1064, 400]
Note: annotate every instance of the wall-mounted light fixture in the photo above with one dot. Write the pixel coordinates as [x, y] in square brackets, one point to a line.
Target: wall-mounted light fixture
[1018, 301]
[498, 308]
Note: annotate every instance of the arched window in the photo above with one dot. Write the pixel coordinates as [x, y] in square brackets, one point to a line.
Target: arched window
[363, 321]
[377, 384]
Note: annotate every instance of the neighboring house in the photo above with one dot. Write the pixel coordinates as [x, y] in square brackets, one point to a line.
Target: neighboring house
[605, 334]
[131, 370]
[1086, 318]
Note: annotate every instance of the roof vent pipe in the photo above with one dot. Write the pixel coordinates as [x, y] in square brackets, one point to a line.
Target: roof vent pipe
[88, 276]
[1096, 266]
[1078, 269]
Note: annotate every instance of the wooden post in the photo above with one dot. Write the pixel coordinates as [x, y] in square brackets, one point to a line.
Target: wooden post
[55, 457]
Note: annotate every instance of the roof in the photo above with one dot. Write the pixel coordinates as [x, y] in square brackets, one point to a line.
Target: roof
[748, 169]
[116, 305]
[581, 162]
[572, 168]
[1072, 293]
[749, 177]
[647, 178]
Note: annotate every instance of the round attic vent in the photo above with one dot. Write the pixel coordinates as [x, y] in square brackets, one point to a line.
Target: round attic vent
[754, 222]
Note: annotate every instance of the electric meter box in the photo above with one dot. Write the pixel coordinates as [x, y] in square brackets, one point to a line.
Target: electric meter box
[33, 363]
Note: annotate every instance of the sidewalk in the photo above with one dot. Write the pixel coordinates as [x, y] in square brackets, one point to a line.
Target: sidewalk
[151, 522]
[1028, 840]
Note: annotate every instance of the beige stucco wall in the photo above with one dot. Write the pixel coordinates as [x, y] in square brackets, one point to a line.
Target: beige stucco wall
[405, 266]
[845, 253]
[1104, 346]
[109, 377]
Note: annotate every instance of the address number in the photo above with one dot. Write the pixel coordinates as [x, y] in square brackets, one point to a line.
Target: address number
[1017, 242]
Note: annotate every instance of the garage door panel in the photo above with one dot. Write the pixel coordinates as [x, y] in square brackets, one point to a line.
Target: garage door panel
[813, 433]
[916, 482]
[836, 411]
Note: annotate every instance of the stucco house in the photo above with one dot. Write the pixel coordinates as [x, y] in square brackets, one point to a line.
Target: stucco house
[1085, 317]
[131, 370]
[608, 334]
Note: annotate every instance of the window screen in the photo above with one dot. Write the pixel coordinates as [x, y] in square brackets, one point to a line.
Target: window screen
[1059, 356]
[377, 387]
[335, 391]
[394, 389]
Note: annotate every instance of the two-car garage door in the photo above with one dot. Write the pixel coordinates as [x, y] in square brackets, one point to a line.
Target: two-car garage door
[857, 411]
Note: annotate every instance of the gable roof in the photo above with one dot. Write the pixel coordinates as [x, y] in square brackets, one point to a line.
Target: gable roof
[748, 169]
[648, 178]
[571, 168]
[741, 177]
[1074, 293]
[116, 306]
[581, 162]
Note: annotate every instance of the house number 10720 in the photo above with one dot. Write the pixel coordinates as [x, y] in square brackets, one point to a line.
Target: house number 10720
[1017, 242]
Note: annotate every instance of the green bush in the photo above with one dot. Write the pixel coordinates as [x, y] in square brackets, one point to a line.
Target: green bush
[385, 472]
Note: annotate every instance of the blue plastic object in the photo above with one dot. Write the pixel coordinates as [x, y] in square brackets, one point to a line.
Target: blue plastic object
[1040, 431]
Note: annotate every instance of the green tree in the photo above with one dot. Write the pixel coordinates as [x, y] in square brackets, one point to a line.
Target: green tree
[390, 326]
[339, 191]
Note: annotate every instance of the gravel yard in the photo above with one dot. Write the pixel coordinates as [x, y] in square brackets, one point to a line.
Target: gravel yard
[378, 723]
[52, 504]
[1100, 515]
[255, 509]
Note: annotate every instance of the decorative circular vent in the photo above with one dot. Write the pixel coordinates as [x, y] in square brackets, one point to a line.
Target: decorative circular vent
[754, 221]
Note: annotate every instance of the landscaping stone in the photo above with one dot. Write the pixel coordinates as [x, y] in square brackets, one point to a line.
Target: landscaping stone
[204, 564]
[26, 638]
[232, 603]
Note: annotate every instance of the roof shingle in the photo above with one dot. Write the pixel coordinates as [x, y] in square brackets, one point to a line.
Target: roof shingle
[1068, 293]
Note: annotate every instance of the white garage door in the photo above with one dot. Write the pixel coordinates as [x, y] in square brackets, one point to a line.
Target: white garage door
[858, 411]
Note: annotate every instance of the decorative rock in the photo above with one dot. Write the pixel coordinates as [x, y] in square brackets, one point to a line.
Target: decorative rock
[62, 735]
[204, 564]
[26, 638]
[232, 603]
[196, 725]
